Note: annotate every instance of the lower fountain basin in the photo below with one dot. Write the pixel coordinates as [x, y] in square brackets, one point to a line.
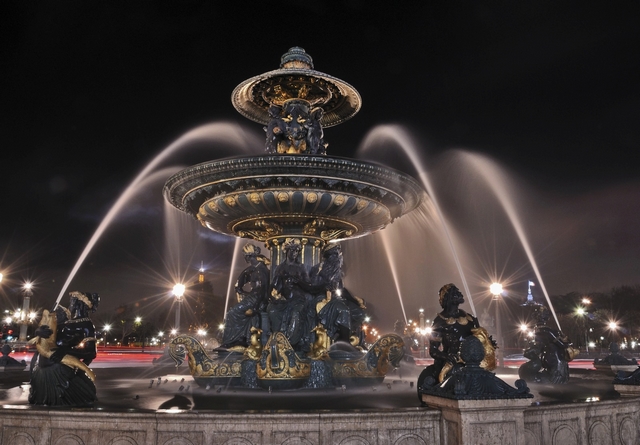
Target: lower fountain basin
[130, 411]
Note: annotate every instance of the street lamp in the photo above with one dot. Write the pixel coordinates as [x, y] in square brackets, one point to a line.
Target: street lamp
[141, 329]
[524, 331]
[26, 301]
[613, 327]
[585, 318]
[496, 291]
[178, 291]
[422, 333]
[105, 331]
[202, 333]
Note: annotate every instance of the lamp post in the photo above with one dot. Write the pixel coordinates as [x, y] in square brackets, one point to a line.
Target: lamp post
[613, 328]
[583, 313]
[524, 330]
[202, 334]
[421, 333]
[178, 291]
[26, 301]
[141, 328]
[586, 302]
[496, 291]
[105, 332]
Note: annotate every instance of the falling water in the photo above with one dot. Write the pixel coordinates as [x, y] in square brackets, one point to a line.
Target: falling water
[234, 260]
[405, 142]
[494, 177]
[490, 173]
[225, 132]
[394, 273]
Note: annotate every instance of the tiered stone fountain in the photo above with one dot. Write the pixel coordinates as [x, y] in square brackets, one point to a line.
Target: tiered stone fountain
[294, 194]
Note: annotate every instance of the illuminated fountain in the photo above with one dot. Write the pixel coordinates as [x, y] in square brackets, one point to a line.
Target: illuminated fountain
[297, 195]
[294, 195]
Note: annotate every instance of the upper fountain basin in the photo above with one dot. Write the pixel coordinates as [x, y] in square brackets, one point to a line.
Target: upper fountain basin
[269, 196]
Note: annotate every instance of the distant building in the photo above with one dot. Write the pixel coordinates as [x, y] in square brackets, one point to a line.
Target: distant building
[208, 308]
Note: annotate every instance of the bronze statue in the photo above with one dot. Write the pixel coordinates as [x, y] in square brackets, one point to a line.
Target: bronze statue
[549, 353]
[473, 382]
[329, 308]
[333, 307]
[9, 362]
[614, 358]
[449, 328]
[627, 378]
[302, 301]
[294, 127]
[275, 129]
[59, 373]
[288, 298]
[252, 289]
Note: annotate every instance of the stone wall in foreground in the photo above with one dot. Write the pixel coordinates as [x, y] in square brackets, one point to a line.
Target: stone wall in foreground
[611, 422]
[615, 422]
[57, 427]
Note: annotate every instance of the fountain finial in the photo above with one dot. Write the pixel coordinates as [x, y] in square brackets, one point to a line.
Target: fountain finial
[296, 58]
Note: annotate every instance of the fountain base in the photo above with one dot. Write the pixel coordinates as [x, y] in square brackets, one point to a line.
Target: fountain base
[278, 366]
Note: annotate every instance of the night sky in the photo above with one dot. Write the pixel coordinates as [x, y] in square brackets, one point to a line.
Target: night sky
[94, 91]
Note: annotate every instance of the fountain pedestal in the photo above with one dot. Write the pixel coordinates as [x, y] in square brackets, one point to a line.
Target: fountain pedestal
[477, 406]
[627, 390]
[470, 422]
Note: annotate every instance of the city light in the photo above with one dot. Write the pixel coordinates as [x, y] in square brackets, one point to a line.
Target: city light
[178, 290]
[495, 289]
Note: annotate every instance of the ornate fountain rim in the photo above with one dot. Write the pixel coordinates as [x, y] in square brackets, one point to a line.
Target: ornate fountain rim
[256, 196]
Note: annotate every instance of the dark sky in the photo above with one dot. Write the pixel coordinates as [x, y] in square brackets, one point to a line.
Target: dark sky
[93, 91]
